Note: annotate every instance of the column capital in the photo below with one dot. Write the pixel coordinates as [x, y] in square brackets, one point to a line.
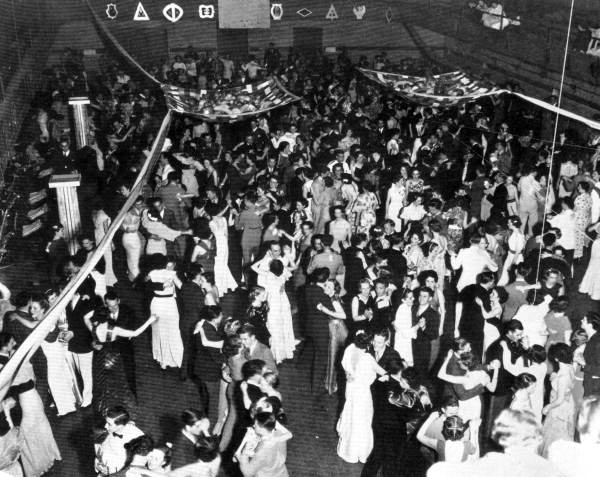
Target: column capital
[79, 100]
[64, 180]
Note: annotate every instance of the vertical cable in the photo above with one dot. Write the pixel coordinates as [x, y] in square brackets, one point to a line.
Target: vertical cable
[558, 105]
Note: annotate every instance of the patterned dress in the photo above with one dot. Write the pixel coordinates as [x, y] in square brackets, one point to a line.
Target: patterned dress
[583, 218]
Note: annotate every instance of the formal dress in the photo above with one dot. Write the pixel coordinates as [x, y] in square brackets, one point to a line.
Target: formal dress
[101, 225]
[354, 425]
[591, 280]
[223, 278]
[560, 420]
[279, 318]
[167, 347]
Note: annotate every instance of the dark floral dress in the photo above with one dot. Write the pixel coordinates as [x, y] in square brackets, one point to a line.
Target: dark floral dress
[257, 317]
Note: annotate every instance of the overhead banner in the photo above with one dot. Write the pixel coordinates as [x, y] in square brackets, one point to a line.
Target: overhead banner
[229, 105]
[244, 14]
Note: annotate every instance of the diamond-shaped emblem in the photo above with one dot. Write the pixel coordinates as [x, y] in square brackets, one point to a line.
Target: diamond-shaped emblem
[388, 14]
[304, 12]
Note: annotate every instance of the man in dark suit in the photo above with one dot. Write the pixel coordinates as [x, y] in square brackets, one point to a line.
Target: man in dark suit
[123, 317]
[254, 349]
[206, 355]
[389, 425]
[317, 326]
[459, 346]
[191, 301]
[195, 424]
[428, 331]
[381, 349]
[511, 343]
[591, 355]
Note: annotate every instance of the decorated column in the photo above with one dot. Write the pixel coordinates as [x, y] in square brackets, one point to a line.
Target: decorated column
[80, 119]
[68, 206]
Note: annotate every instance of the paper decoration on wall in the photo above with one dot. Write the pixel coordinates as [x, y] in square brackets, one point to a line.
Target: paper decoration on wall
[359, 11]
[111, 11]
[140, 13]
[206, 11]
[276, 11]
[332, 13]
[304, 12]
[388, 14]
[173, 12]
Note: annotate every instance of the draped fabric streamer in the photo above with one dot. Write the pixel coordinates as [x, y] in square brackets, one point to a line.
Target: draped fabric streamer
[439, 90]
[452, 88]
[47, 324]
[229, 105]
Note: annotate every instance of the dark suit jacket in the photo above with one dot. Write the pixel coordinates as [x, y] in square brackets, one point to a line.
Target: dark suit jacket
[207, 360]
[386, 416]
[388, 355]
[317, 322]
[191, 302]
[125, 319]
[432, 320]
[495, 351]
[591, 355]
[183, 451]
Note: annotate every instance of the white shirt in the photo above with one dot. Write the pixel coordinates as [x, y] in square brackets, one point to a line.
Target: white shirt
[473, 261]
[529, 188]
[111, 454]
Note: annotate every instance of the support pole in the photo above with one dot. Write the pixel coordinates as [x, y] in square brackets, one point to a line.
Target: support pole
[80, 119]
[68, 206]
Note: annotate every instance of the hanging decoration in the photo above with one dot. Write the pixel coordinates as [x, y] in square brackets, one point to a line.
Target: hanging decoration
[173, 12]
[304, 12]
[359, 11]
[140, 14]
[111, 11]
[439, 90]
[388, 14]
[332, 13]
[231, 104]
[206, 11]
[276, 11]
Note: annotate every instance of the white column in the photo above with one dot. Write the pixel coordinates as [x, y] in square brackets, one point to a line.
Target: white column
[68, 206]
[80, 119]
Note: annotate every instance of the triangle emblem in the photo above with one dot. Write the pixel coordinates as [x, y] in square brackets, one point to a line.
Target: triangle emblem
[140, 13]
[332, 13]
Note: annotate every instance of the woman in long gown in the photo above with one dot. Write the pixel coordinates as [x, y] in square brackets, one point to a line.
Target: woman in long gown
[61, 380]
[583, 216]
[591, 280]
[395, 201]
[167, 346]
[354, 426]
[338, 333]
[405, 331]
[101, 224]
[110, 382]
[279, 318]
[223, 278]
[560, 411]
[39, 449]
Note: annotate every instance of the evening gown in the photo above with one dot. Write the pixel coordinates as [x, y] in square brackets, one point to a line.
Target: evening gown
[257, 317]
[560, 421]
[223, 278]
[338, 334]
[39, 447]
[279, 318]
[110, 381]
[354, 426]
[167, 346]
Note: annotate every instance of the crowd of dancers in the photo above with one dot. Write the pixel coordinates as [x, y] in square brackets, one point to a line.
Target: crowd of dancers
[426, 260]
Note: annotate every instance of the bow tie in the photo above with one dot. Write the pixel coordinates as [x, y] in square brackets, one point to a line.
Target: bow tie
[120, 436]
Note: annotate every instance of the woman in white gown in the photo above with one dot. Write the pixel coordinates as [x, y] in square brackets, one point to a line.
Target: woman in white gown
[470, 409]
[405, 331]
[395, 201]
[167, 346]
[591, 280]
[354, 426]
[101, 224]
[279, 318]
[223, 278]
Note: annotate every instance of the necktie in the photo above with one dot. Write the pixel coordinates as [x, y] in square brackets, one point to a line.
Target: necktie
[120, 436]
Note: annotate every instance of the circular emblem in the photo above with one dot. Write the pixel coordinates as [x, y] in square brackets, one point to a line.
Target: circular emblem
[173, 12]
